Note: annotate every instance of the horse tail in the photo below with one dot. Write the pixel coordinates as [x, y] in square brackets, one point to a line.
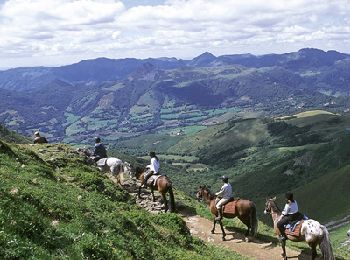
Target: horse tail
[326, 246]
[253, 220]
[172, 200]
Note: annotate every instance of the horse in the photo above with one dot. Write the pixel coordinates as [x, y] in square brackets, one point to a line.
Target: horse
[115, 166]
[312, 232]
[348, 233]
[163, 185]
[111, 164]
[245, 210]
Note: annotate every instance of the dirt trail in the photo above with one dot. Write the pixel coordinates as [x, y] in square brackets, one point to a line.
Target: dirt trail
[201, 227]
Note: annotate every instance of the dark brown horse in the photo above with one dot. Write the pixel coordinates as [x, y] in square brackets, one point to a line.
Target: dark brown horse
[162, 185]
[245, 210]
[312, 232]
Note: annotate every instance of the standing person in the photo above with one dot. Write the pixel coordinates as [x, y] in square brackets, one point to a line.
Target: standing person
[223, 196]
[152, 168]
[290, 213]
[100, 150]
[39, 139]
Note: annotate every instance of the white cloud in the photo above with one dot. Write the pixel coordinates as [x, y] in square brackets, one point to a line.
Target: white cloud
[65, 31]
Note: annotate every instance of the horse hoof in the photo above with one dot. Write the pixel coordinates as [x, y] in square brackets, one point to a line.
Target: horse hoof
[212, 231]
[246, 239]
[223, 239]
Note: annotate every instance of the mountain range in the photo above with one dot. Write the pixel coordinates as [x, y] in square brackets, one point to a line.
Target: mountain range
[128, 97]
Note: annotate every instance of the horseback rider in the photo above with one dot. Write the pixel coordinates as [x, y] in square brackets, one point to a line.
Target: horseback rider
[39, 139]
[153, 168]
[99, 150]
[290, 213]
[223, 196]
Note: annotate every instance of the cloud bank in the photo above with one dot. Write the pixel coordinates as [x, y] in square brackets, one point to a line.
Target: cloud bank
[55, 32]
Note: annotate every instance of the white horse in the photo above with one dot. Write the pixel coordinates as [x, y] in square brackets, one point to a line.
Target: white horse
[312, 232]
[115, 166]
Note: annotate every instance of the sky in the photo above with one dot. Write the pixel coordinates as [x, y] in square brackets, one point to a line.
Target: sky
[59, 32]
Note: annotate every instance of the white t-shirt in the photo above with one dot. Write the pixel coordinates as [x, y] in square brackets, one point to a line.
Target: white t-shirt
[290, 208]
[225, 192]
[154, 166]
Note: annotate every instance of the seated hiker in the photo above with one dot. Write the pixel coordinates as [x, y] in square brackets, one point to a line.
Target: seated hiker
[100, 150]
[290, 213]
[223, 196]
[39, 139]
[153, 168]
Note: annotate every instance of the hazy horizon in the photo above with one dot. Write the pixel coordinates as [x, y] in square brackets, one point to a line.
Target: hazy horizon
[60, 32]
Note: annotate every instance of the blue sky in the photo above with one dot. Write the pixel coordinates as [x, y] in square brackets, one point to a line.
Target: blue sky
[58, 32]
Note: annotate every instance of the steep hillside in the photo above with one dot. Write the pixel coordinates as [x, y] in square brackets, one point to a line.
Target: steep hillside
[11, 136]
[55, 206]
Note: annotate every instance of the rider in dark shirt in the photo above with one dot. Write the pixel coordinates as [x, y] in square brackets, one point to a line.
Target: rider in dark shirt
[39, 139]
[100, 150]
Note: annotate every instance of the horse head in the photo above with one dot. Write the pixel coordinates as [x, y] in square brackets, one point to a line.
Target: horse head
[270, 206]
[203, 192]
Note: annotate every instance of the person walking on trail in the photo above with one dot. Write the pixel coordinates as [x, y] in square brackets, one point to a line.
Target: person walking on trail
[153, 168]
[39, 139]
[99, 150]
[290, 213]
[223, 196]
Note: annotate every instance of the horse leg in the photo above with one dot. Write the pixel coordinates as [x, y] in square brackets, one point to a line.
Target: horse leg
[165, 202]
[213, 230]
[284, 254]
[152, 192]
[313, 251]
[222, 230]
[139, 193]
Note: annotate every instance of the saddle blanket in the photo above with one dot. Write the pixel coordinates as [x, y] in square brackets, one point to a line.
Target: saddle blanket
[230, 207]
[294, 228]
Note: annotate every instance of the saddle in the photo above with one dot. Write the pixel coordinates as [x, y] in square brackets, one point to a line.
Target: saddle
[230, 207]
[294, 228]
[152, 181]
[102, 162]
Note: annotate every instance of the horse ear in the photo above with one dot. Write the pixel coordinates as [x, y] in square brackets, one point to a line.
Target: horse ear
[201, 187]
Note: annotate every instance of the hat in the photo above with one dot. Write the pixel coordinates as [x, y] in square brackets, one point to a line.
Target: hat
[97, 139]
[36, 133]
[152, 154]
[289, 196]
[224, 178]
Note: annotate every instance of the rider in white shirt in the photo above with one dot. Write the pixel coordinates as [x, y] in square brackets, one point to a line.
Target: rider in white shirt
[223, 196]
[290, 213]
[152, 168]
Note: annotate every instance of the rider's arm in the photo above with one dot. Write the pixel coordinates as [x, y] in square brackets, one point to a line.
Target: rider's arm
[220, 192]
[286, 209]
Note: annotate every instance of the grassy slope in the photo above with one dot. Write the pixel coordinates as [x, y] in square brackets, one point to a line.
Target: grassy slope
[54, 206]
[11, 136]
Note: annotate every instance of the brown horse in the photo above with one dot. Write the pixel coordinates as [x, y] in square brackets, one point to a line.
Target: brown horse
[312, 232]
[245, 210]
[162, 185]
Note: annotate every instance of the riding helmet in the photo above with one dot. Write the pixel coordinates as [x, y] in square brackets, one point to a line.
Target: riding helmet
[152, 154]
[97, 139]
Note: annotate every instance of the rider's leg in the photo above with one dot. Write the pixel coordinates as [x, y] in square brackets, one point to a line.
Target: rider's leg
[148, 174]
[219, 208]
[280, 225]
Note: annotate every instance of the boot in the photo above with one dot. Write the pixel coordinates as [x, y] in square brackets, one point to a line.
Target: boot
[219, 217]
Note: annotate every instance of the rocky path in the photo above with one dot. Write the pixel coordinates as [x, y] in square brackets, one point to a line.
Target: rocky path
[201, 228]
